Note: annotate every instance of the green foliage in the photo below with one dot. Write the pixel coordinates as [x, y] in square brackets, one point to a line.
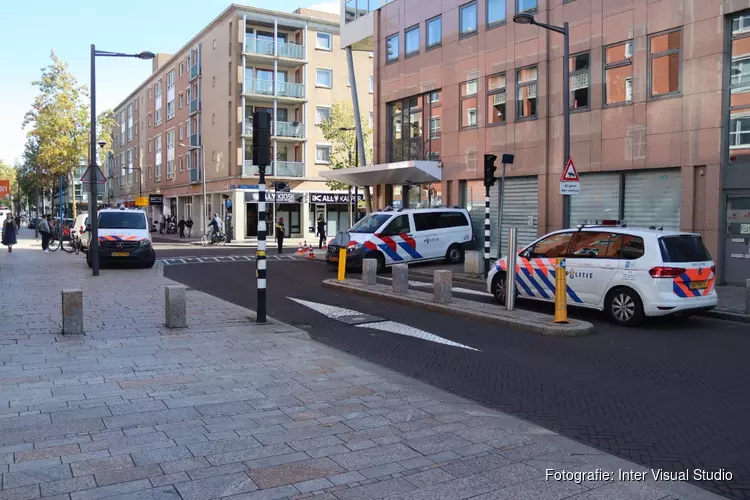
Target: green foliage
[343, 151]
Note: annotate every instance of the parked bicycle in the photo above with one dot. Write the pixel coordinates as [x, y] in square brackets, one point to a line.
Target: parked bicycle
[214, 239]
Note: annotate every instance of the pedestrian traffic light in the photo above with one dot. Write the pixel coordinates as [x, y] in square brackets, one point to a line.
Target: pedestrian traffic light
[261, 138]
[489, 170]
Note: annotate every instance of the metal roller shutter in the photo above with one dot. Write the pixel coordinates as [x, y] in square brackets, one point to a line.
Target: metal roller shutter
[599, 198]
[520, 210]
[653, 198]
[475, 206]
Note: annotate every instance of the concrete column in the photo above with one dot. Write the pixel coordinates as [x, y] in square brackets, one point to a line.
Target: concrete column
[473, 262]
[369, 272]
[239, 215]
[443, 287]
[175, 306]
[72, 311]
[400, 273]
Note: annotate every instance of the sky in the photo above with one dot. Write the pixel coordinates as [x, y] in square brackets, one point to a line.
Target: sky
[30, 29]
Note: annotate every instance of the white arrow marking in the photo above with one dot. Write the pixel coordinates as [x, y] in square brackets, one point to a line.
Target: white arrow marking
[335, 312]
[468, 291]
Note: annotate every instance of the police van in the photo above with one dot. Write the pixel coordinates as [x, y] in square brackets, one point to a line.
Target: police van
[628, 273]
[406, 236]
[123, 237]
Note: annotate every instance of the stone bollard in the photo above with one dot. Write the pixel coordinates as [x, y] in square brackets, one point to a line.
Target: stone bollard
[369, 272]
[747, 296]
[400, 278]
[443, 287]
[72, 311]
[473, 262]
[175, 306]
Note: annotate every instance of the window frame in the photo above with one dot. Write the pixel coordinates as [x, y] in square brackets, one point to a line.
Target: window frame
[738, 133]
[581, 109]
[394, 219]
[330, 153]
[408, 30]
[495, 24]
[462, 98]
[518, 85]
[527, 11]
[461, 33]
[330, 41]
[317, 107]
[319, 85]
[529, 250]
[497, 91]
[427, 23]
[667, 53]
[389, 60]
[606, 66]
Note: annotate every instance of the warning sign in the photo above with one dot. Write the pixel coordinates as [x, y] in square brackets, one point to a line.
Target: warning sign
[570, 183]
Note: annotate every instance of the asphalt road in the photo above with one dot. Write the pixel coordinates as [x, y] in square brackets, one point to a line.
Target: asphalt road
[671, 394]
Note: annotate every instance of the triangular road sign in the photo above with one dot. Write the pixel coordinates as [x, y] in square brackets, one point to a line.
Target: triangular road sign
[569, 172]
[100, 179]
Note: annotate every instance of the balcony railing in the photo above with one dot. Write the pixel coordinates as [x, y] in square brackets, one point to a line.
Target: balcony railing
[195, 175]
[283, 89]
[195, 70]
[195, 140]
[286, 89]
[258, 86]
[277, 168]
[248, 126]
[291, 50]
[195, 106]
[256, 46]
[289, 129]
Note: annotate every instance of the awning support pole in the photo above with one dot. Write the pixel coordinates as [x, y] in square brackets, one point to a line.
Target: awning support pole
[358, 125]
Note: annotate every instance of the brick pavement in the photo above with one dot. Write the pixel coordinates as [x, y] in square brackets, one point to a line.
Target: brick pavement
[230, 409]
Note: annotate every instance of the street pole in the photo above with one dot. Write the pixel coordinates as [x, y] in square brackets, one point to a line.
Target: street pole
[356, 188]
[36, 215]
[206, 214]
[566, 118]
[500, 215]
[487, 230]
[262, 158]
[93, 167]
[60, 211]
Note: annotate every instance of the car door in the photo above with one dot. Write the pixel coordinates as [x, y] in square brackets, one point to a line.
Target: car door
[590, 266]
[395, 241]
[535, 268]
[428, 233]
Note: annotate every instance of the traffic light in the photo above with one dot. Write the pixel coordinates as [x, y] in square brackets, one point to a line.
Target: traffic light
[489, 170]
[261, 138]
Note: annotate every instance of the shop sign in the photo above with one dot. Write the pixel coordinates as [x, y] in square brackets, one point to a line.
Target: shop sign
[156, 199]
[322, 198]
[141, 201]
[274, 197]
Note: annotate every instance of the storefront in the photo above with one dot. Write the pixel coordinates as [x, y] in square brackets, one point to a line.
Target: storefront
[155, 209]
[278, 204]
[335, 209]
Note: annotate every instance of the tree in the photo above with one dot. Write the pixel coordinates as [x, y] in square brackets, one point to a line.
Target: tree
[344, 142]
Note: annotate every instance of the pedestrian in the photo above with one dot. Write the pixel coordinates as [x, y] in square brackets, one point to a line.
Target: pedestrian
[10, 228]
[18, 221]
[280, 233]
[321, 231]
[44, 228]
[189, 225]
[181, 225]
[162, 224]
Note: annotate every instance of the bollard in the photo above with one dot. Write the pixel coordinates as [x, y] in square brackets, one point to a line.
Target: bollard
[369, 272]
[747, 296]
[510, 275]
[72, 311]
[342, 264]
[473, 262]
[400, 281]
[442, 287]
[561, 294]
[175, 307]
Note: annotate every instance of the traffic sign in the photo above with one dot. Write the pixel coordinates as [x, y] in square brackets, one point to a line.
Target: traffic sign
[570, 183]
[100, 179]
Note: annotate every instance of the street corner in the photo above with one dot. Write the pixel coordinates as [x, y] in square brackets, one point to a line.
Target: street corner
[519, 319]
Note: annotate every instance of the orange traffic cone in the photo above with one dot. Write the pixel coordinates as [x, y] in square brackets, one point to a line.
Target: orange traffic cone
[311, 253]
[299, 249]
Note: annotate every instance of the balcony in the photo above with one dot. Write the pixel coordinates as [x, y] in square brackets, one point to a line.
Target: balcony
[248, 129]
[256, 46]
[294, 90]
[290, 129]
[195, 71]
[276, 169]
[260, 87]
[195, 175]
[195, 140]
[265, 49]
[195, 106]
[291, 50]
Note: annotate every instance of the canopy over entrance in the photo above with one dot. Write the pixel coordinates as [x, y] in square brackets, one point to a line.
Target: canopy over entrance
[399, 173]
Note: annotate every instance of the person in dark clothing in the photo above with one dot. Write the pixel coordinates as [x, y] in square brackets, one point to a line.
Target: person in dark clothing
[18, 221]
[189, 225]
[181, 225]
[321, 231]
[280, 233]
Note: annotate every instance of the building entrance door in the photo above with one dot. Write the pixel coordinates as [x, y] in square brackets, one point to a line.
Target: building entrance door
[737, 248]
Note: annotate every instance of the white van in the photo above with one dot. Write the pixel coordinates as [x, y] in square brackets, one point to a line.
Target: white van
[406, 236]
[123, 237]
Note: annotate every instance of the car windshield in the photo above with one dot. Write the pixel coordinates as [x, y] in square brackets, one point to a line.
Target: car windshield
[683, 248]
[121, 220]
[370, 223]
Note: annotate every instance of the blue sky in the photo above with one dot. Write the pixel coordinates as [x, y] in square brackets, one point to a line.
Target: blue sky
[29, 29]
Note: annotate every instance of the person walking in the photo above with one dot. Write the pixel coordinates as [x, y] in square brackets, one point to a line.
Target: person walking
[10, 229]
[44, 229]
[181, 225]
[18, 221]
[321, 231]
[280, 233]
[162, 224]
[189, 225]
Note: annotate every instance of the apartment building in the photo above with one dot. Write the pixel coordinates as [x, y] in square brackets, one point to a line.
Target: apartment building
[193, 117]
[660, 113]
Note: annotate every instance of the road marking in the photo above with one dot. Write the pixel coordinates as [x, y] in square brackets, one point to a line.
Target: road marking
[173, 261]
[458, 289]
[335, 312]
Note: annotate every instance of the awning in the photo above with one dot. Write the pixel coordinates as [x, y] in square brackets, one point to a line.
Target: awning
[399, 173]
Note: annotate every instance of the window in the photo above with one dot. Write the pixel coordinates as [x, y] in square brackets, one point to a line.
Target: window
[434, 32]
[182, 68]
[148, 93]
[495, 12]
[157, 157]
[182, 131]
[426, 221]
[579, 80]
[324, 41]
[323, 153]
[391, 48]
[551, 247]
[182, 100]
[182, 164]
[399, 225]
[683, 248]
[122, 127]
[372, 84]
[157, 104]
[525, 6]
[324, 78]
[468, 19]
[664, 63]
[496, 99]
[372, 119]
[150, 149]
[130, 122]
[434, 97]
[618, 73]
[469, 104]
[369, 223]
[122, 220]
[150, 120]
[592, 245]
[322, 113]
[740, 74]
[740, 24]
[170, 154]
[526, 90]
[434, 127]
[739, 132]
[411, 41]
[130, 166]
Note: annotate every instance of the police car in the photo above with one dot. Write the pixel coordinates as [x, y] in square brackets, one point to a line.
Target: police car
[406, 236]
[123, 237]
[628, 273]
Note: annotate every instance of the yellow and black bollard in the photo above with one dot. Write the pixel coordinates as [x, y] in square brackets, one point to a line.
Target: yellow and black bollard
[342, 264]
[561, 299]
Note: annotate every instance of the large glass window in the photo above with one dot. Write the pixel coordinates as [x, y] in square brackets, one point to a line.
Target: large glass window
[739, 132]
[495, 12]
[552, 246]
[468, 19]
[411, 41]
[618, 73]
[664, 63]
[434, 30]
[324, 41]
[496, 99]
[391, 48]
[526, 92]
[398, 225]
[323, 153]
[469, 104]
[579, 80]
[414, 128]
[526, 6]
[322, 113]
[324, 78]
[739, 114]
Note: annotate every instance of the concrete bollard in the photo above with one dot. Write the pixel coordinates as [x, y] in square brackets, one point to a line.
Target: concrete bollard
[473, 262]
[72, 311]
[400, 281]
[369, 272]
[747, 296]
[175, 306]
[443, 287]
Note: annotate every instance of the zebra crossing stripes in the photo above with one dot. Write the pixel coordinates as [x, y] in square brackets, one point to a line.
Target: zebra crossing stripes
[177, 261]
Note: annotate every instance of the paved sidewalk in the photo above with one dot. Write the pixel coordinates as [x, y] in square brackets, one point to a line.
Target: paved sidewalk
[230, 409]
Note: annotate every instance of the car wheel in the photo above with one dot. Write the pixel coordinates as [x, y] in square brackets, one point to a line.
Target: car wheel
[624, 306]
[88, 260]
[149, 264]
[378, 257]
[499, 287]
[455, 254]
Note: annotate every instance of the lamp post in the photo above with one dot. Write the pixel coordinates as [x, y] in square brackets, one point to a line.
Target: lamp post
[356, 164]
[93, 167]
[565, 32]
[206, 215]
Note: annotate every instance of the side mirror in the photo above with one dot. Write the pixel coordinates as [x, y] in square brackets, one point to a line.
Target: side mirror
[88, 227]
[525, 254]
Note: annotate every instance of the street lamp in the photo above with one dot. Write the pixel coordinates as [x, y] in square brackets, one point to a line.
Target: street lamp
[565, 32]
[206, 215]
[356, 164]
[93, 167]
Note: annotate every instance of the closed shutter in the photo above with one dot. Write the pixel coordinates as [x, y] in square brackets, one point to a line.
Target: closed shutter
[475, 206]
[520, 210]
[653, 198]
[599, 199]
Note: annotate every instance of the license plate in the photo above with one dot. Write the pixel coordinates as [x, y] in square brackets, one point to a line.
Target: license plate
[120, 254]
[696, 285]
[333, 259]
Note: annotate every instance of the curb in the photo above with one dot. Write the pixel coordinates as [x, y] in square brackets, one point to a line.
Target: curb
[467, 309]
[725, 315]
[461, 279]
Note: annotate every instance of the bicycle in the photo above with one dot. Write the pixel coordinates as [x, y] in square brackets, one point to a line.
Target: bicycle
[72, 245]
[214, 239]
